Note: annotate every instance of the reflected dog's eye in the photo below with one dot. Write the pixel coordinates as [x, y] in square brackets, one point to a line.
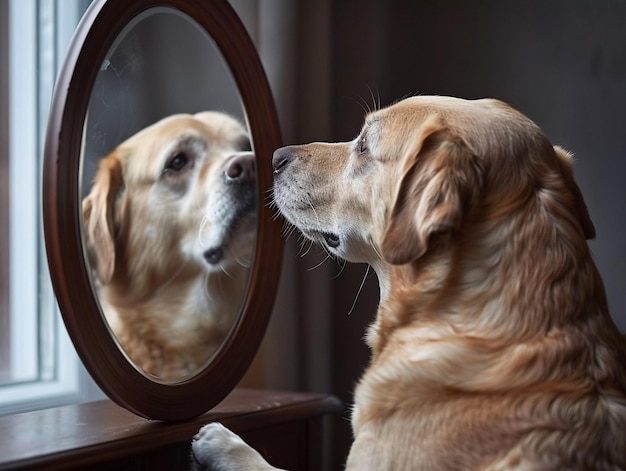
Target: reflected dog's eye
[178, 162]
[182, 158]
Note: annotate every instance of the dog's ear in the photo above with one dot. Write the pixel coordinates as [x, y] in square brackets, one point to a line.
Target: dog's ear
[565, 162]
[441, 180]
[99, 216]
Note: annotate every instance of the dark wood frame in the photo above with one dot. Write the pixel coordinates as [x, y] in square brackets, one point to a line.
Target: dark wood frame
[99, 352]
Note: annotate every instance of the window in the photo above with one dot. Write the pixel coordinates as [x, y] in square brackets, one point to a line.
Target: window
[38, 365]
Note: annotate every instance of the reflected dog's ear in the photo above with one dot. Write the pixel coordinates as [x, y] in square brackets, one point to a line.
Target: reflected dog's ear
[99, 217]
[442, 179]
[565, 163]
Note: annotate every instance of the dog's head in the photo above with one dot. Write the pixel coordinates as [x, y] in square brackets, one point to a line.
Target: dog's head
[420, 171]
[180, 193]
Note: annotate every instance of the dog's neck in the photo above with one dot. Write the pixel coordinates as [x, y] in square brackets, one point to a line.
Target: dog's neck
[190, 292]
[488, 287]
[187, 311]
[461, 334]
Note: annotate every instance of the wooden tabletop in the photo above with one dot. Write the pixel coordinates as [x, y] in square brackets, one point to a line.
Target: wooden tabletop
[83, 432]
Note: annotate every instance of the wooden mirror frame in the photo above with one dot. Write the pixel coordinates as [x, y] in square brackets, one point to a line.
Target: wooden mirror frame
[96, 347]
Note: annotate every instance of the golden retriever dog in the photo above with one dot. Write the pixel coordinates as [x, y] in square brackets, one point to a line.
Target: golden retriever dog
[493, 347]
[170, 227]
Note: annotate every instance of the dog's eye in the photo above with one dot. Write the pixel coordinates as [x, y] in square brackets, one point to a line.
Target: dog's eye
[178, 162]
[361, 145]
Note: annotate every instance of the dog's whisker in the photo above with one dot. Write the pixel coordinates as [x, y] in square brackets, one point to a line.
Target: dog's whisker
[375, 248]
[203, 223]
[362, 102]
[301, 240]
[342, 266]
[292, 230]
[328, 257]
[301, 247]
[206, 290]
[375, 100]
[276, 216]
[360, 289]
[226, 272]
[287, 230]
[372, 98]
[308, 249]
[241, 262]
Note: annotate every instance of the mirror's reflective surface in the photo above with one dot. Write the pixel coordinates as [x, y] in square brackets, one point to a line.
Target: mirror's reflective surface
[169, 195]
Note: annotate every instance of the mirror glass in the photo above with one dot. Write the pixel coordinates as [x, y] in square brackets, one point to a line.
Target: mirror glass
[168, 196]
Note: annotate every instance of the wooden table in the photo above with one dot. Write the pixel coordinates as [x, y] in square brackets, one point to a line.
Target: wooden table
[286, 427]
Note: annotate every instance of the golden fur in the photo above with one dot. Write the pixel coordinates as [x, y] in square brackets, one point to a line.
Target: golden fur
[170, 224]
[493, 347]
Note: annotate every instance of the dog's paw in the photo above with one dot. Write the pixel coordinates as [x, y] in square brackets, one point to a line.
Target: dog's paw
[216, 448]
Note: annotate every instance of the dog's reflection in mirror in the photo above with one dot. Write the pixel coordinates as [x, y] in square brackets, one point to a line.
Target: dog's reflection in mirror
[170, 230]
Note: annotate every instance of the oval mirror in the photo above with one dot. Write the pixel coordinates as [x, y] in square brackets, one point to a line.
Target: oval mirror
[168, 194]
[163, 254]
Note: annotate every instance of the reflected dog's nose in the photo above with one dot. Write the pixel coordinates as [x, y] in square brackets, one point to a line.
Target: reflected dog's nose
[281, 158]
[241, 168]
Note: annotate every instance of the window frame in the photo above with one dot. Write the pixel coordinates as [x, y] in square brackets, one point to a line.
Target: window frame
[49, 373]
[4, 187]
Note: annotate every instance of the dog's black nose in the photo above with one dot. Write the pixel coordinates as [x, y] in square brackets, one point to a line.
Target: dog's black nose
[281, 158]
[242, 167]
